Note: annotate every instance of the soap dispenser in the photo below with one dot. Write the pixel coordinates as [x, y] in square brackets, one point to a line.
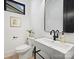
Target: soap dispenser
[62, 38]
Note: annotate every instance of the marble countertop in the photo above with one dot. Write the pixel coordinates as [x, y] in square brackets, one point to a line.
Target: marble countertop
[57, 45]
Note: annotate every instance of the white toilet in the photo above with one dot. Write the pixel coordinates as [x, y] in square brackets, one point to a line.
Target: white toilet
[24, 51]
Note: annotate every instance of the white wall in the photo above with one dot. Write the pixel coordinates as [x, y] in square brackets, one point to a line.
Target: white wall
[37, 16]
[20, 32]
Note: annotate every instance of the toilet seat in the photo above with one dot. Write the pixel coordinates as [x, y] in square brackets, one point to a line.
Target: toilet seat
[22, 48]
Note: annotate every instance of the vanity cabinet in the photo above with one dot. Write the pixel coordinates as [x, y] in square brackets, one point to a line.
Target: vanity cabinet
[54, 49]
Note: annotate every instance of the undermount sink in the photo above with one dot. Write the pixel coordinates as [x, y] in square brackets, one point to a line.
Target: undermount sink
[45, 40]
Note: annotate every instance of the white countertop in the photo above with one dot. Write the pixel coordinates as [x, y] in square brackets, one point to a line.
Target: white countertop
[57, 45]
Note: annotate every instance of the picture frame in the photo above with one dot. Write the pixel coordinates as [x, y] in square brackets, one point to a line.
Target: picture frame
[15, 21]
[14, 6]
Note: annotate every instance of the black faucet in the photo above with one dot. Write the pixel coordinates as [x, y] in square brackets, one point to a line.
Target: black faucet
[55, 34]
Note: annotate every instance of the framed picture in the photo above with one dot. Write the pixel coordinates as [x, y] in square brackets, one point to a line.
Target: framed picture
[15, 21]
[14, 6]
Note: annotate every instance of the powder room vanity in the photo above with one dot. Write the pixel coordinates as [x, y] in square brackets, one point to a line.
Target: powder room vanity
[54, 49]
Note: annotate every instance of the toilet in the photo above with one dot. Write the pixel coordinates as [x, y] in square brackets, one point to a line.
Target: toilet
[23, 48]
[24, 51]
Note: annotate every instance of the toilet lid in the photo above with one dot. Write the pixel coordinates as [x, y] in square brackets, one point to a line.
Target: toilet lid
[23, 47]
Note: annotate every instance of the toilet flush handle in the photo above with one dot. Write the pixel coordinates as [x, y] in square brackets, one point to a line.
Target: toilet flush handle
[14, 37]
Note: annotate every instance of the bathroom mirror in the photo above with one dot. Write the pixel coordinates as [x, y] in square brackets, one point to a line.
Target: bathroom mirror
[13, 6]
[58, 16]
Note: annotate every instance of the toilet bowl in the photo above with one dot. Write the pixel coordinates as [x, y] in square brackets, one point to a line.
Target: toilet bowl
[22, 48]
[24, 51]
